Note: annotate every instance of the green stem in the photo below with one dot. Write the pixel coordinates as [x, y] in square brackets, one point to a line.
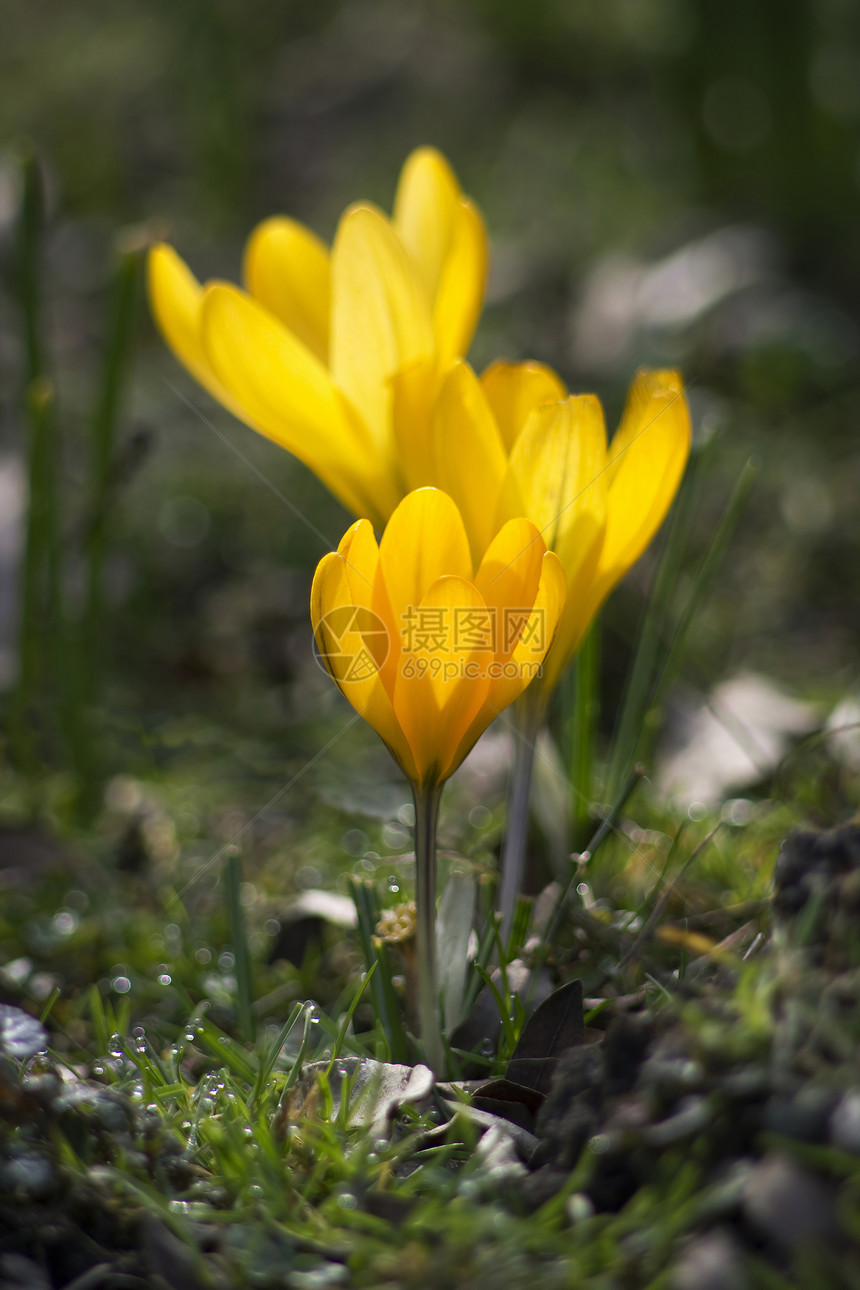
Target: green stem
[38, 398]
[27, 266]
[528, 717]
[427, 798]
[586, 702]
[32, 627]
[42, 645]
[125, 291]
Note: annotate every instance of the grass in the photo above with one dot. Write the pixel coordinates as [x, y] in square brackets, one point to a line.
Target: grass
[157, 1103]
[185, 1120]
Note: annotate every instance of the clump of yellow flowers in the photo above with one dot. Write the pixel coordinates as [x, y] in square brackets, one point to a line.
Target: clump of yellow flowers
[508, 517]
[331, 352]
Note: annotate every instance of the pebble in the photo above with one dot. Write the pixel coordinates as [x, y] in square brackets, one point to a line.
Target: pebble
[692, 1115]
[711, 1262]
[786, 1204]
[845, 1124]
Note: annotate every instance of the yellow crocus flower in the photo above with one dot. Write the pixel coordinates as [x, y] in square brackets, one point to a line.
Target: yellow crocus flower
[427, 647]
[322, 344]
[512, 444]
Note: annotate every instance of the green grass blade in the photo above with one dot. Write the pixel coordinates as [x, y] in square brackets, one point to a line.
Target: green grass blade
[123, 312]
[101, 1026]
[348, 1015]
[705, 576]
[46, 682]
[241, 952]
[367, 912]
[33, 624]
[655, 625]
[519, 927]
[267, 1062]
[27, 263]
[583, 729]
[242, 1063]
[663, 635]
[38, 403]
[606, 826]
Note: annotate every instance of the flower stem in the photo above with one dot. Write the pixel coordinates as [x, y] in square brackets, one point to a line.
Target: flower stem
[427, 798]
[528, 716]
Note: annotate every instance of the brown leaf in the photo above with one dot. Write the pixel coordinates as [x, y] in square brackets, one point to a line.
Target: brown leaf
[552, 1028]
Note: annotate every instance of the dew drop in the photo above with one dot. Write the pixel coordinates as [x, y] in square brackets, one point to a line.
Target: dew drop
[65, 922]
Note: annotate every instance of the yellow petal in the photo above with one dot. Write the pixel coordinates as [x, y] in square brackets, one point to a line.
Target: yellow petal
[576, 615]
[513, 392]
[176, 300]
[468, 455]
[413, 396]
[380, 319]
[424, 540]
[522, 666]
[346, 638]
[509, 575]
[556, 476]
[286, 268]
[440, 689]
[647, 460]
[360, 551]
[426, 207]
[536, 636]
[333, 620]
[463, 281]
[444, 234]
[284, 392]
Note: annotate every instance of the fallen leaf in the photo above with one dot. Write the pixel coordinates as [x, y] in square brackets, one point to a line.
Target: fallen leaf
[555, 1026]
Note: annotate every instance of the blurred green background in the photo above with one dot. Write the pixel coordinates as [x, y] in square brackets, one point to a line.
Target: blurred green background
[664, 184]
